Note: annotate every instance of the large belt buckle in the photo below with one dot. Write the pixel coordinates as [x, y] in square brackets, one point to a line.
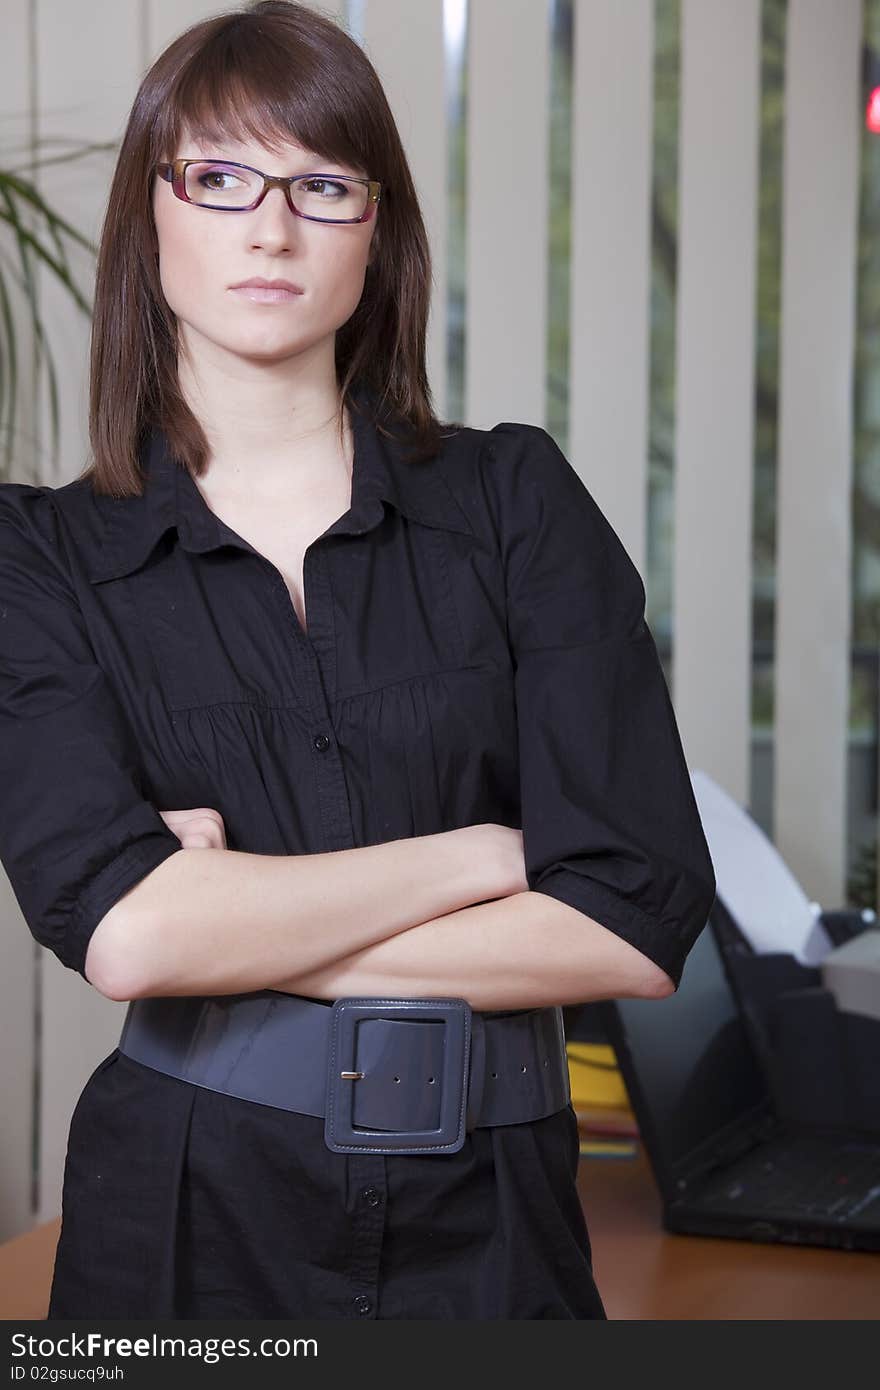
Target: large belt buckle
[340, 1133]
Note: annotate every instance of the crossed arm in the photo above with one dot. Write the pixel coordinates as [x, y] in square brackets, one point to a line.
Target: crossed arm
[519, 952]
[430, 916]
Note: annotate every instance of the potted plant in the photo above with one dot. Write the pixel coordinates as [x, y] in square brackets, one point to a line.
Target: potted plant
[33, 234]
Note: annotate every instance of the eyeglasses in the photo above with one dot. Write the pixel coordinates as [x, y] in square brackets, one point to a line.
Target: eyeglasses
[228, 187]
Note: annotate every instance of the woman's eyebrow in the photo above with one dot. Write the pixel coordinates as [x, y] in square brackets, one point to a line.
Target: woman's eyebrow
[307, 163]
[241, 154]
[304, 165]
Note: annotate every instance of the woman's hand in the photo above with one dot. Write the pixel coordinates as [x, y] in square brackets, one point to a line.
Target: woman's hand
[200, 828]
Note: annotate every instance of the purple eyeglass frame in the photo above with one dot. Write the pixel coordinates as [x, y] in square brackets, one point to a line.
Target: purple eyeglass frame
[175, 174]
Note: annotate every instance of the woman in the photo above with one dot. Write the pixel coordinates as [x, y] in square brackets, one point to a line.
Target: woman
[392, 680]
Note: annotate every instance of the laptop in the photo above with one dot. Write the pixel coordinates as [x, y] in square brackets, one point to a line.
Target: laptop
[723, 1160]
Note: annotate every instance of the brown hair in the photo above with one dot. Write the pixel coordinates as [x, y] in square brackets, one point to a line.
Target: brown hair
[271, 71]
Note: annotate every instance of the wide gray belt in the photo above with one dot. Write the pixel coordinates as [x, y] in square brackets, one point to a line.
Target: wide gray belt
[388, 1075]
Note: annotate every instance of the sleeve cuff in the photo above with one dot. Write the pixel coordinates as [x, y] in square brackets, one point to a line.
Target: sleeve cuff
[115, 879]
[667, 943]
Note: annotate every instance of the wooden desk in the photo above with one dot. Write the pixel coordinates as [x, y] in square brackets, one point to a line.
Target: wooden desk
[642, 1271]
[26, 1272]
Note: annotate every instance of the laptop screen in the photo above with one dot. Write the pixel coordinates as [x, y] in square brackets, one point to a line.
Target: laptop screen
[687, 1064]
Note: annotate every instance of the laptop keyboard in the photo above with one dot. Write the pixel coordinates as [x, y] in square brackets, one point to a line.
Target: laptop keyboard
[803, 1176]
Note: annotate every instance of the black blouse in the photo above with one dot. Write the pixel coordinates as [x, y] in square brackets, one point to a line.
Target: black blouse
[476, 651]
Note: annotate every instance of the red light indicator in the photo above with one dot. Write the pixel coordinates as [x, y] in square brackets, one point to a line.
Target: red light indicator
[872, 112]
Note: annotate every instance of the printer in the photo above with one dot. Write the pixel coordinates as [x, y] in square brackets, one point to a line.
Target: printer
[807, 979]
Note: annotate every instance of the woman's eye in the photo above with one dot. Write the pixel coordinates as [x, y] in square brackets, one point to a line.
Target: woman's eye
[312, 185]
[205, 179]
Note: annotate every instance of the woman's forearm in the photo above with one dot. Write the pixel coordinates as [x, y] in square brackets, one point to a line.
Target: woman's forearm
[218, 921]
[523, 951]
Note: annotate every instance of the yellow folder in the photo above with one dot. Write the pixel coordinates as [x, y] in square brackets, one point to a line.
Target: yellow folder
[595, 1076]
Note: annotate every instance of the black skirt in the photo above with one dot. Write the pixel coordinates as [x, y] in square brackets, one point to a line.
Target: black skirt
[180, 1202]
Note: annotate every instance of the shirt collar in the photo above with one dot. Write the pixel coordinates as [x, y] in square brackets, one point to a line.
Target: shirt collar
[171, 499]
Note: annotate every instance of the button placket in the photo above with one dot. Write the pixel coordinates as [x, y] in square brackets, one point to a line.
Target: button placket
[367, 1171]
[303, 648]
[369, 1191]
[321, 637]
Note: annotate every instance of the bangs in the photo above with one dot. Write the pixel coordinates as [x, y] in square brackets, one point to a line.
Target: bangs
[240, 88]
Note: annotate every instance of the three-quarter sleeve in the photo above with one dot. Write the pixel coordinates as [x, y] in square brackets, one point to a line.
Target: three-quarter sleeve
[76, 832]
[609, 819]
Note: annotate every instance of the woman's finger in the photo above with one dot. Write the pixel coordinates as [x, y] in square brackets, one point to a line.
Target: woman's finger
[199, 827]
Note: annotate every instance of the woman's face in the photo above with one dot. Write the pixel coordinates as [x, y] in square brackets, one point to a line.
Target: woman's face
[204, 252]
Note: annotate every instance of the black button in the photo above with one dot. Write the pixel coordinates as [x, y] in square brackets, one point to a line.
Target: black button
[371, 1195]
[321, 742]
[363, 1304]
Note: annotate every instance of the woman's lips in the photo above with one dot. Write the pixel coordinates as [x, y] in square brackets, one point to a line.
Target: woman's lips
[266, 296]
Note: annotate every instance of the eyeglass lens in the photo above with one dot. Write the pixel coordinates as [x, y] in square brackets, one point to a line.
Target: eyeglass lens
[220, 185]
